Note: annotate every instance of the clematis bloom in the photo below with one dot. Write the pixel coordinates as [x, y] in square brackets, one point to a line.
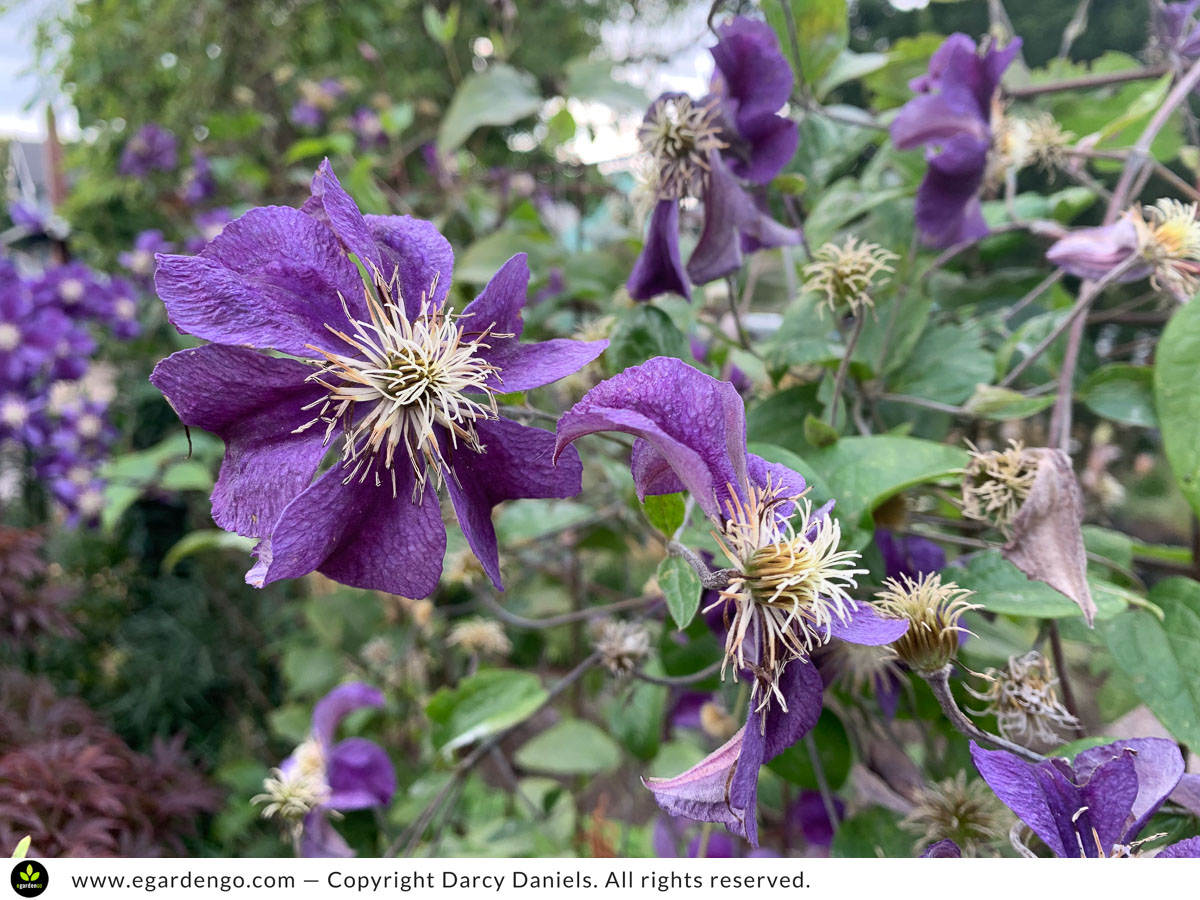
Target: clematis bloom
[407, 386]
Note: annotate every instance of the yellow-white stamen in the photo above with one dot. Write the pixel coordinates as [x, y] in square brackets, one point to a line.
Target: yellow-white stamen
[679, 135]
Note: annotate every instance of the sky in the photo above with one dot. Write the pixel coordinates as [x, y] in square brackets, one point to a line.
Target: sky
[18, 84]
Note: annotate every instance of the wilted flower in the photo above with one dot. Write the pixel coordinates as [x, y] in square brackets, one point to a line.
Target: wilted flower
[958, 810]
[152, 149]
[845, 275]
[952, 117]
[623, 646]
[323, 777]
[482, 636]
[1095, 805]
[786, 592]
[1024, 701]
[405, 384]
[704, 149]
[933, 611]
[996, 483]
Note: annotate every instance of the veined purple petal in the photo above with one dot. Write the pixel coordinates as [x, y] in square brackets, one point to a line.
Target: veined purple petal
[518, 462]
[659, 267]
[946, 849]
[695, 423]
[1188, 848]
[751, 70]
[1109, 792]
[1158, 767]
[499, 305]
[701, 793]
[948, 209]
[866, 626]
[360, 534]
[771, 143]
[266, 462]
[339, 703]
[332, 205]
[271, 280]
[1041, 796]
[727, 210]
[417, 253]
[360, 775]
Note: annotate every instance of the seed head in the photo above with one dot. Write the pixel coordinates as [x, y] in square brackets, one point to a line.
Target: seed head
[846, 275]
[996, 483]
[290, 795]
[933, 611]
[966, 812]
[679, 135]
[483, 636]
[622, 645]
[1024, 701]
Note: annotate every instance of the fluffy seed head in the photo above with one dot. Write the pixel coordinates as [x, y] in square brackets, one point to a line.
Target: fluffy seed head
[996, 483]
[933, 611]
[622, 645]
[845, 275]
[482, 636]
[1047, 142]
[401, 379]
[787, 585]
[1024, 700]
[966, 812]
[679, 135]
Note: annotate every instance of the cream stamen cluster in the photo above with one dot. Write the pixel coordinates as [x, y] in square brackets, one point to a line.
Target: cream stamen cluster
[404, 378]
[933, 611]
[679, 135]
[966, 812]
[291, 795]
[996, 483]
[1169, 240]
[846, 275]
[1024, 700]
[786, 586]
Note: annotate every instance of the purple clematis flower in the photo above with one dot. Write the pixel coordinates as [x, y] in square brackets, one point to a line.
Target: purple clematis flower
[198, 183]
[952, 118]
[329, 776]
[406, 384]
[785, 595]
[1094, 806]
[140, 260]
[707, 149]
[1094, 252]
[909, 554]
[1175, 28]
[152, 149]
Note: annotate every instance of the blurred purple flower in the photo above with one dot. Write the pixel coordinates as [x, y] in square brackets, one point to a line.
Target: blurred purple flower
[368, 128]
[1175, 29]
[809, 815]
[951, 117]
[152, 149]
[198, 183]
[306, 115]
[670, 832]
[1094, 806]
[208, 225]
[407, 385]
[706, 149]
[908, 554]
[1094, 252]
[140, 260]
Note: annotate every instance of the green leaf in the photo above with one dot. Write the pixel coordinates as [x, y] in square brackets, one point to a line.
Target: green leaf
[483, 704]
[1177, 398]
[1162, 659]
[850, 66]
[592, 79]
[311, 671]
[1002, 404]
[528, 520]
[641, 333]
[818, 432]
[206, 539]
[1001, 587]
[872, 833]
[833, 750]
[665, 512]
[501, 95]
[947, 364]
[636, 720]
[572, 747]
[1123, 393]
[189, 475]
[337, 144]
[681, 586]
[22, 847]
[822, 33]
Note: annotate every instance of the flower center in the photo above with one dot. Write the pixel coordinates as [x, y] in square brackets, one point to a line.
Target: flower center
[71, 291]
[10, 336]
[679, 135]
[400, 379]
[789, 584]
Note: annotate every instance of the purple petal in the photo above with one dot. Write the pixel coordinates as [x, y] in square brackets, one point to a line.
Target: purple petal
[751, 70]
[727, 209]
[938, 117]
[790, 483]
[1187, 792]
[948, 210]
[321, 840]
[866, 626]
[1094, 252]
[652, 472]
[810, 816]
[332, 205]
[908, 554]
[946, 849]
[498, 307]
[518, 462]
[1109, 794]
[417, 253]
[359, 534]
[694, 422]
[339, 703]
[360, 775]
[1158, 767]
[271, 280]
[659, 267]
[266, 463]
[701, 793]
[772, 143]
[718, 846]
[1041, 796]
[1189, 848]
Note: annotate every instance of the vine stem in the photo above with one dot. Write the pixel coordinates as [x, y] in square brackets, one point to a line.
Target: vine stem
[939, 683]
[839, 380]
[1085, 82]
[590, 612]
[1064, 682]
[709, 579]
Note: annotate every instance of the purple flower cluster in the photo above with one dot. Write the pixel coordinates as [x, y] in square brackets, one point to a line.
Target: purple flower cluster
[719, 149]
[53, 397]
[151, 149]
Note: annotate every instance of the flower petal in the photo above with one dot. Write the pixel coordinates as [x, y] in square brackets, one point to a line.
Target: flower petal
[945, 849]
[1158, 765]
[751, 70]
[272, 280]
[948, 210]
[659, 267]
[696, 423]
[499, 305]
[417, 253]
[360, 775]
[1094, 252]
[339, 703]
[1042, 796]
[772, 142]
[360, 534]
[909, 555]
[518, 462]
[332, 205]
[321, 840]
[727, 209]
[866, 626]
[266, 462]
[1188, 848]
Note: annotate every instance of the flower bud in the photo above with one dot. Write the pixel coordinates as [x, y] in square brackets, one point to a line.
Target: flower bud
[933, 611]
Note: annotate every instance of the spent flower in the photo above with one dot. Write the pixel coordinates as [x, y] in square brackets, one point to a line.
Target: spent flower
[846, 275]
[1023, 697]
[933, 611]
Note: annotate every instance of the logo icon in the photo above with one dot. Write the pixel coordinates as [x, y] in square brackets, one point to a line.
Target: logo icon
[29, 878]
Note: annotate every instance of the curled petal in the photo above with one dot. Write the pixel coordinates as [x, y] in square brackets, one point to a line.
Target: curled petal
[360, 775]
[659, 267]
[339, 703]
